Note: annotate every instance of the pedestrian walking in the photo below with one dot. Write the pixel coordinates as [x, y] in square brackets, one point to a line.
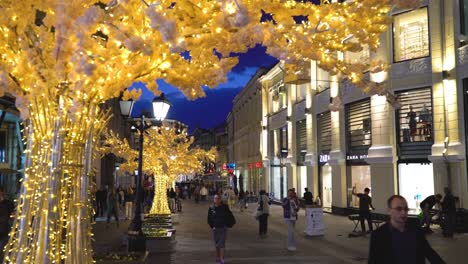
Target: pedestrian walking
[449, 213]
[365, 202]
[129, 199]
[172, 200]
[242, 203]
[219, 219]
[231, 197]
[426, 205]
[112, 206]
[399, 241]
[203, 193]
[101, 196]
[290, 209]
[6, 209]
[263, 211]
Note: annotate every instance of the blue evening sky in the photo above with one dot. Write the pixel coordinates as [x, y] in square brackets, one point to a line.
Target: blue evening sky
[211, 110]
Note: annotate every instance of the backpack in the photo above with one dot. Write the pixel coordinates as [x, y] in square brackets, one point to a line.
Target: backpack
[230, 221]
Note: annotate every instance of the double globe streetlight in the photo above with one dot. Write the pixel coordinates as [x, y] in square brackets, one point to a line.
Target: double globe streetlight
[141, 123]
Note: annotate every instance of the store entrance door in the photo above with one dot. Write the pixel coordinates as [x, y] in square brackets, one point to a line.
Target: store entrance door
[326, 186]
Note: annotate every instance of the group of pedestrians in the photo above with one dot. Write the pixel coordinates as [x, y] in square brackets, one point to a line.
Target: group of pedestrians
[397, 241]
[446, 215]
[110, 202]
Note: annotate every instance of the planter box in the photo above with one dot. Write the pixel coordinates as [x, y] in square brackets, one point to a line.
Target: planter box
[115, 258]
[161, 244]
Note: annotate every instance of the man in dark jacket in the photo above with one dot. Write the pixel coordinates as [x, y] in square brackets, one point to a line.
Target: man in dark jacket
[219, 217]
[426, 205]
[308, 197]
[398, 242]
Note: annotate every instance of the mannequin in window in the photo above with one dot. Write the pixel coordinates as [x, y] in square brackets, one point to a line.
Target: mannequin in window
[411, 116]
[425, 119]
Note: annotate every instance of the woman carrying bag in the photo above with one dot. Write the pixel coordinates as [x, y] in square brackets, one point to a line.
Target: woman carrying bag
[290, 209]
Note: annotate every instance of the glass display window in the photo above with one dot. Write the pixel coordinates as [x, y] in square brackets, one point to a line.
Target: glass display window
[411, 35]
[301, 91]
[463, 22]
[326, 174]
[302, 171]
[415, 115]
[323, 80]
[358, 124]
[415, 183]
[362, 56]
[360, 179]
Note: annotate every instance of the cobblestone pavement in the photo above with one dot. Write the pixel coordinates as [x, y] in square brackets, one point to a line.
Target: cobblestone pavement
[193, 244]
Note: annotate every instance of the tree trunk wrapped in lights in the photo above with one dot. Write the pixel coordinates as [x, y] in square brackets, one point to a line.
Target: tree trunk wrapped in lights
[62, 58]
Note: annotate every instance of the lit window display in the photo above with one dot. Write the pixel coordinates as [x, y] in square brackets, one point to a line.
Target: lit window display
[302, 170]
[411, 35]
[326, 186]
[416, 182]
[301, 90]
[415, 115]
[279, 184]
[362, 56]
[361, 179]
[323, 80]
[463, 22]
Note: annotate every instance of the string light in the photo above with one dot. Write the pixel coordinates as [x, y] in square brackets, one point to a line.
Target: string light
[61, 61]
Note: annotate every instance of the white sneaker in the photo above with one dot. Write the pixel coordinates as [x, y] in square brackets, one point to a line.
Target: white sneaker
[291, 248]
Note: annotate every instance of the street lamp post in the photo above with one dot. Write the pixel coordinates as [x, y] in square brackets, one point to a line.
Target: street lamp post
[160, 109]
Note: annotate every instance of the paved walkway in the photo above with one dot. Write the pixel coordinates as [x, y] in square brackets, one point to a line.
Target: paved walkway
[193, 242]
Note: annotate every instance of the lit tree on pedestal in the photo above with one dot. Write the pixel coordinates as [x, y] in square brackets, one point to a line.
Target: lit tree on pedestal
[167, 154]
[61, 59]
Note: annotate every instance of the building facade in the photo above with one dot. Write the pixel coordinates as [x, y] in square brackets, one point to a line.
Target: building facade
[326, 134]
[244, 127]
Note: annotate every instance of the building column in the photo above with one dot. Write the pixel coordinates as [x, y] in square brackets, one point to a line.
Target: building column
[337, 154]
[448, 153]
[291, 161]
[381, 155]
[311, 128]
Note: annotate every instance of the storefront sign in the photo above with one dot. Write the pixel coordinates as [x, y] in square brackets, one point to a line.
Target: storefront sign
[356, 157]
[259, 164]
[324, 158]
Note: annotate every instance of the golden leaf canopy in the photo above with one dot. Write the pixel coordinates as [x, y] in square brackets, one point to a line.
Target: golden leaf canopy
[87, 50]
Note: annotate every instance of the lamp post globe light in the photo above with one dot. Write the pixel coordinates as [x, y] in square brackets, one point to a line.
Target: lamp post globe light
[160, 109]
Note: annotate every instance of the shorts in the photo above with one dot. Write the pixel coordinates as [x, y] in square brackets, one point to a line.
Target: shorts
[219, 237]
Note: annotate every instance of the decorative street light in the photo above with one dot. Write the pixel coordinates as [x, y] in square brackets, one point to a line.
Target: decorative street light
[160, 109]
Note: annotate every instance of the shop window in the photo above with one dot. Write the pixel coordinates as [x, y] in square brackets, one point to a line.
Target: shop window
[323, 80]
[324, 132]
[415, 116]
[362, 56]
[358, 124]
[278, 95]
[284, 141]
[463, 22]
[301, 141]
[415, 183]
[360, 179]
[326, 180]
[411, 35]
[301, 91]
[3, 146]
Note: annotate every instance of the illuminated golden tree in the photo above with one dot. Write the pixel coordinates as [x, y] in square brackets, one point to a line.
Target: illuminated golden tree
[62, 58]
[166, 154]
